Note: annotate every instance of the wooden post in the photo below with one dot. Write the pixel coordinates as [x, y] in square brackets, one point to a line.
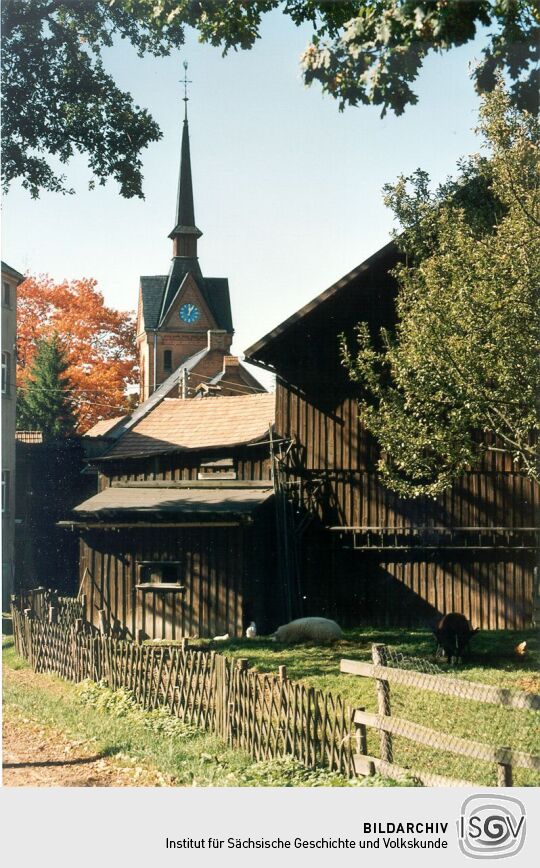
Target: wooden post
[218, 681]
[242, 710]
[225, 700]
[185, 644]
[504, 772]
[29, 614]
[83, 606]
[232, 724]
[361, 736]
[77, 649]
[311, 727]
[380, 658]
[53, 615]
[282, 671]
[102, 620]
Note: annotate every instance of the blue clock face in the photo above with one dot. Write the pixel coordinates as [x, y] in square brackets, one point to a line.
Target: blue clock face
[189, 313]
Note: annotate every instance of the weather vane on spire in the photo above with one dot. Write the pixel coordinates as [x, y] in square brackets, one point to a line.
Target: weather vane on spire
[185, 83]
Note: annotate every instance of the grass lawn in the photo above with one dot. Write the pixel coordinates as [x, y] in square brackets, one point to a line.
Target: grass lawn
[113, 726]
[117, 727]
[492, 661]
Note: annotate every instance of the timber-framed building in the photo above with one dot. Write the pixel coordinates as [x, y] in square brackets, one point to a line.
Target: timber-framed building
[378, 558]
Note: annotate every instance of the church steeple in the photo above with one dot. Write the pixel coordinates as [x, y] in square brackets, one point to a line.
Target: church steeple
[185, 232]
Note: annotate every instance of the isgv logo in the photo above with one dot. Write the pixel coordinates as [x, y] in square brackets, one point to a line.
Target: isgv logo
[491, 826]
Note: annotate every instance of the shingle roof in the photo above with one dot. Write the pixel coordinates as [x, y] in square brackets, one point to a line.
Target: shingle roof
[187, 501]
[158, 292]
[217, 297]
[152, 288]
[127, 422]
[186, 425]
[103, 426]
[185, 211]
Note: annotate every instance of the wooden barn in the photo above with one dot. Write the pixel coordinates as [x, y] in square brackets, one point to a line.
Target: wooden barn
[179, 539]
[371, 556]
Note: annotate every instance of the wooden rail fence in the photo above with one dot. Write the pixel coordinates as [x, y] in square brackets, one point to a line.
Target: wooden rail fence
[265, 714]
[388, 725]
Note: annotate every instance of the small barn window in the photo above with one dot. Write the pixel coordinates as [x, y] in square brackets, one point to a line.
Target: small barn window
[6, 294]
[160, 573]
[167, 360]
[156, 574]
[218, 468]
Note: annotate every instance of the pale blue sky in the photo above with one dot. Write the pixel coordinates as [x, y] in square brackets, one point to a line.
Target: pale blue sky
[287, 189]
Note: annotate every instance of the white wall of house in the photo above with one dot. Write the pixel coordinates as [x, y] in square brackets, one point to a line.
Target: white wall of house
[10, 281]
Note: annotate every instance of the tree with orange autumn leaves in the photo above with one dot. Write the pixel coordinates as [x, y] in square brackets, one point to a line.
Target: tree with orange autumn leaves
[98, 343]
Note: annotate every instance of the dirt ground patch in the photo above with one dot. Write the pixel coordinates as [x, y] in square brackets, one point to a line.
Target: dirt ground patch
[37, 756]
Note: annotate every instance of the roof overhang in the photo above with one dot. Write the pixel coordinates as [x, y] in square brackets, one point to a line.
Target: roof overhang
[174, 449]
[185, 230]
[255, 353]
[12, 272]
[173, 504]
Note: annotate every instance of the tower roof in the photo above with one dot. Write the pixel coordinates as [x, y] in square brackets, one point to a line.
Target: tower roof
[158, 291]
[185, 209]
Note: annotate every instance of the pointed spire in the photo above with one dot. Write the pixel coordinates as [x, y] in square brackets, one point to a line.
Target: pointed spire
[185, 232]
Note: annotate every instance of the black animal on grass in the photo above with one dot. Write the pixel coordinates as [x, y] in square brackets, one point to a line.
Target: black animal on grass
[453, 634]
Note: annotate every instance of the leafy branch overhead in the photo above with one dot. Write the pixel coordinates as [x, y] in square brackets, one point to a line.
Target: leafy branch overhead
[460, 376]
[58, 98]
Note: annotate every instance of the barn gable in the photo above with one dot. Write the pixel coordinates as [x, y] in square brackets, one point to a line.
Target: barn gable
[377, 557]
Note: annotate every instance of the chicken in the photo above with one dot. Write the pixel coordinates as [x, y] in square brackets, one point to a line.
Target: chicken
[521, 649]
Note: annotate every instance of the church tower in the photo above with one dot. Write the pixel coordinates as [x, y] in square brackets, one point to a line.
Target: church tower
[184, 319]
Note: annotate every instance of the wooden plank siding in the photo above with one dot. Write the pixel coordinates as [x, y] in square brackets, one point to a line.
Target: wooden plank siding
[225, 571]
[211, 569]
[493, 588]
[250, 463]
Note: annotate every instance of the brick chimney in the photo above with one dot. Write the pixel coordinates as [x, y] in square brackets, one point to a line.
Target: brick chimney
[230, 363]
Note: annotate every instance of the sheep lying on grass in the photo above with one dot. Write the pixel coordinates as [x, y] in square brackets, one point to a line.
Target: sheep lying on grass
[319, 630]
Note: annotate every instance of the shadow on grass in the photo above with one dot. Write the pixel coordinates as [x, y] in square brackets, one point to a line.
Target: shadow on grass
[81, 761]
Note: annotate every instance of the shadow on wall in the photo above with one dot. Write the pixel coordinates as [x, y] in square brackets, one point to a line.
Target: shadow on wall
[492, 589]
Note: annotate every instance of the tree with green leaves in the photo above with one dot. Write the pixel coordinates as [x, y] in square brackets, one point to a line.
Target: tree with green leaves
[461, 374]
[44, 404]
[58, 98]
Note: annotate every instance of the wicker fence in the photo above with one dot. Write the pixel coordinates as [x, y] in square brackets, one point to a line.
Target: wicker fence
[269, 716]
